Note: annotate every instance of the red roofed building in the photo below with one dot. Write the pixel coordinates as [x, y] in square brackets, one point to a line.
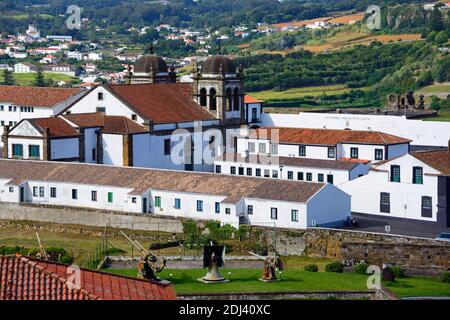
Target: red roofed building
[23, 278]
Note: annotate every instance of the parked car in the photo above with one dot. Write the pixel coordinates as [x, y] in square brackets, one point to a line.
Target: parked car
[444, 236]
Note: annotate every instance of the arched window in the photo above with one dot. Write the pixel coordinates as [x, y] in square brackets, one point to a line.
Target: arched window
[237, 99]
[212, 99]
[203, 94]
[229, 99]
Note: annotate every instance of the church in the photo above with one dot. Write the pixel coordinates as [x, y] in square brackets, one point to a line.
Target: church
[146, 121]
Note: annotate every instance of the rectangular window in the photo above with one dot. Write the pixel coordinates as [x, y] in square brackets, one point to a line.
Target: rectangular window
[300, 176]
[33, 151]
[417, 175]
[241, 171]
[35, 191]
[330, 179]
[227, 211]
[294, 215]
[251, 147]
[217, 207]
[167, 147]
[11, 189]
[320, 177]
[17, 150]
[275, 174]
[177, 203]
[233, 170]
[266, 173]
[290, 175]
[158, 202]
[354, 153]
[218, 169]
[52, 192]
[100, 96]
[134, 117]
[427, 208]
[94, 154]
[309, 176]
[133, 200]
[249, 171]
[199, 206]
[258, 172]
[94, 196]
[74, 194]
[331, 153]
[101, 109]
[41, 192]
[274, 149]
[110, 197]
[302, 151]
[378, 154]
[249, 209]
[262, 148]
[274, 213]
[385, 202]
[395, 173]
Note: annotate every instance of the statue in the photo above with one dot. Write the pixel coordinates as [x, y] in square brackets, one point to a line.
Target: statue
[271, 264]
[149, 266]
[213, 259]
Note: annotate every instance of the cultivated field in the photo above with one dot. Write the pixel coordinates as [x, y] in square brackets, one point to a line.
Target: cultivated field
[27, 79]
[296, 93]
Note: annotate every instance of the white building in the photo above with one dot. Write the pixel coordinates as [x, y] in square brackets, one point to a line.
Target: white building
[414, 186]
[352, 145]
[422, 133]
[74, 55]
[60, 38]
[24, 68]
[21, 102]
[290, 168]
[254, 110]
[201, 196]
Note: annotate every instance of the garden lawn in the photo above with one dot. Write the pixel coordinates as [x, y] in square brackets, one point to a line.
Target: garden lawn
[419, 287]
[27, 79]
[444, 115]
[246, 280]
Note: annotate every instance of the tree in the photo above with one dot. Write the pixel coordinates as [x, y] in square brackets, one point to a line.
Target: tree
[436, 20]
[8, 78]
[39, 80]
[441, 38]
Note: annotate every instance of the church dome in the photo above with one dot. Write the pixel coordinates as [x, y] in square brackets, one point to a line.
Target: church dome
[145, 63]
[213, 65]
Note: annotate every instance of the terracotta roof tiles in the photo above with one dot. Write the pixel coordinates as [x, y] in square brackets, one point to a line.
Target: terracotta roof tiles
[162, 103]
[36, 96]
[329, 137]
[23, 278]
[57, 126]
[439, 160]
[109, 124]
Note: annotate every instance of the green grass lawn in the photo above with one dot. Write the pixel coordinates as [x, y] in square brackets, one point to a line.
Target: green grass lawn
[27, 79]
[436, 88]
[419, 286]
[246, 280]
[442, 116]
[297, 93]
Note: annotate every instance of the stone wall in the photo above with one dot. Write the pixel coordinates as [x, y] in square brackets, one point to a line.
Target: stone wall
[417, 255]
[86, 217]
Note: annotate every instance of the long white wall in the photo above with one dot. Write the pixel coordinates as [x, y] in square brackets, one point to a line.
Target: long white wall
[426, 133]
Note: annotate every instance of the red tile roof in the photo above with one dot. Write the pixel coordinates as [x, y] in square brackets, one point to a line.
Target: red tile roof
[24, 278]
[162, 103]
[439, 160]
[109, 124]
[249, 99]
[329, 137]
[58, 127]
[36, 96]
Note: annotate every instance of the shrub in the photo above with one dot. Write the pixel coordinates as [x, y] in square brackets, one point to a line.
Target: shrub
[13, 250]
[336, 266]
[388, 275]
[398, 272]
[312, 268]
[445, 277]
[361, 268]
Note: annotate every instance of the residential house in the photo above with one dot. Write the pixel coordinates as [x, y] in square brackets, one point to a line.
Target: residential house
[201, 196]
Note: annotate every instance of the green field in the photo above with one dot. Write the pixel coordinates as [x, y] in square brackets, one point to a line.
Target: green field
[246, 280]
[25, 16]
[444, 115]
[436, 88]
[297, 93]
[26, 79]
